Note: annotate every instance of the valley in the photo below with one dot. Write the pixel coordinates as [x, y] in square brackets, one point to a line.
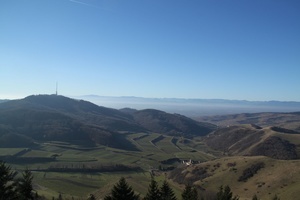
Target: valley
[76, 148]
[86, 170]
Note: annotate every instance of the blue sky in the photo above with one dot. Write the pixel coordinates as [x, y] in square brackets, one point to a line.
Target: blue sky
[229, 49]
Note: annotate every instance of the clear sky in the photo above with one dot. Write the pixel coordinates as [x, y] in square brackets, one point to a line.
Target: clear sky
[229, 49]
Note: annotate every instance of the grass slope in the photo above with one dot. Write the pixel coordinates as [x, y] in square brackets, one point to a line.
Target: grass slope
[277, 177]
[253, 140]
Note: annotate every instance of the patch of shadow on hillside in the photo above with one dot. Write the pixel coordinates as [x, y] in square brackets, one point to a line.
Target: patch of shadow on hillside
[276, 148]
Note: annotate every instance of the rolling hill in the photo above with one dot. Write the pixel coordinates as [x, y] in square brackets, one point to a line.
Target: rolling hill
[52, 117]
[171, 124]
[52, 132]
[290, 120]
[272, 177]
[253, 140]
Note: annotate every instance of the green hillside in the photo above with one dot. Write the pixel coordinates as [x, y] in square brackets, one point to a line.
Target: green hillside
[76, 170]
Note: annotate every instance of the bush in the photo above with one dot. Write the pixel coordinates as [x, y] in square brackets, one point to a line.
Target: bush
[251, 171]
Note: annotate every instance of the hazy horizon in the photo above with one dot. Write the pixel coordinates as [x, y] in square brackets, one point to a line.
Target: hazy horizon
[16, 97]
[191, 107]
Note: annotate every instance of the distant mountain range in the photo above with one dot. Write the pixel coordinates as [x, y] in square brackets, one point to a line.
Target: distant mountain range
[52, 117]
[194, 107]
[3, 100]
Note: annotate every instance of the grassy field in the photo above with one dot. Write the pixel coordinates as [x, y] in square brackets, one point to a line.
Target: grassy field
[153, 149]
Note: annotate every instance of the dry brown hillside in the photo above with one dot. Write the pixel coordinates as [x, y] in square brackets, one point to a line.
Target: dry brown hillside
[275, 177]
[253, 140]
[284, 120]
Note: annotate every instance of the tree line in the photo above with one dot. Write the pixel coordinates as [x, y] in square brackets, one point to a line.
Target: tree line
[122, 191]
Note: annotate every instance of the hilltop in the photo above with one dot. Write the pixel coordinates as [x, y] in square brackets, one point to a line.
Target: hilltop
[52, 117]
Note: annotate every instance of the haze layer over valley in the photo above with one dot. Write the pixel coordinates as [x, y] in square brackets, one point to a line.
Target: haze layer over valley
[194, 107]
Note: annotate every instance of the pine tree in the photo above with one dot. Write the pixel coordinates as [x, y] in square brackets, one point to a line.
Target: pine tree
[276, 197]
[92, 197]
[60, 197]
[189, 193]
[166, 192]
[225, 194]
[153, 191]
[25, 186]
[7, 183]
[122, 191]
[255, 197]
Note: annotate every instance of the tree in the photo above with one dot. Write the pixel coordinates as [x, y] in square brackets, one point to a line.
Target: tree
[92, 197]
[166, 192]
[189, 193]
[225, 194]
[122, 191]
[7, 184]
[25, 186]
[255, 197]
[275, 197]
[60, 197]
[153, 191]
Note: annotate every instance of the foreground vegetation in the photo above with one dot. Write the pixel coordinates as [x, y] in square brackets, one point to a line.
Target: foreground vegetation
[22, 189]
[16, 189]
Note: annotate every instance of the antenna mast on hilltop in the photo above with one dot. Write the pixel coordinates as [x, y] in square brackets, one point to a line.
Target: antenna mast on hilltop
[56, 89]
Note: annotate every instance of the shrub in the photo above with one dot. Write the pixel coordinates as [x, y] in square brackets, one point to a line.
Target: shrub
[251, 171]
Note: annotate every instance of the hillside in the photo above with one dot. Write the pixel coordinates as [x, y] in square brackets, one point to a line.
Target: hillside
[3, 100]
[56, 135]
[52, 117]
[171, 124]
[270, 179]
[285, 120]
[253, 140]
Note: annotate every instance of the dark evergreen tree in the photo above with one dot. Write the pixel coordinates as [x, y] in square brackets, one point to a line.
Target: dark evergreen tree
[60, 197]
[166, 192]
[189, 193]
[255, 197]
[225, 194]
[92, 197]
[153, 191]
[25, 190]
[122, 191]
[275, 197]
[7, 184]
